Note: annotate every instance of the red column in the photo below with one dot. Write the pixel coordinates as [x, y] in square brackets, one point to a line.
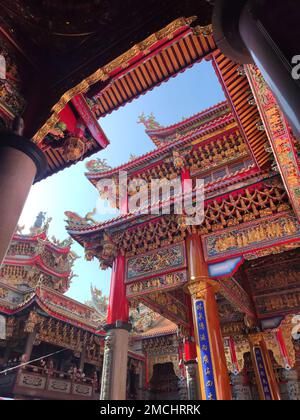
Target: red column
[190, 350]
[214, 380]
[118, 308]
[114, 376]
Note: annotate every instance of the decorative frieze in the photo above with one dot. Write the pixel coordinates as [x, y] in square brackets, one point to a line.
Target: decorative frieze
[153, 263]
[254, 235]
[164, 282]
[276, 304]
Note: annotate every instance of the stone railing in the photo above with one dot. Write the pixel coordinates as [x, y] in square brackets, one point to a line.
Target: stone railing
[34, 382]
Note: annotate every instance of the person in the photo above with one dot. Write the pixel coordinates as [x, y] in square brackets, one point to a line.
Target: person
[43, 366]
[95, 381]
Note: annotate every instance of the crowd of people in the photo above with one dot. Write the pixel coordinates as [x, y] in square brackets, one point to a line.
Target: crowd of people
[11, 363]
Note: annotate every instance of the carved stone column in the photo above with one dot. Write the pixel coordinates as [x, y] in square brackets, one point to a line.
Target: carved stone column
[292, 384]
[192, 380]
[21, 162]
[214, 378]
[82, 359]
[240, 390]
[107, 367]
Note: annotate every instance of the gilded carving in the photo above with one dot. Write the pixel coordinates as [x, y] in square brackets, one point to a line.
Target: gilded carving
[248, 238]
[32, 320]
[198, 288]
[168, 281]
[168, 305]
[155, 262]
[279, 134]
[241, 346]
[278, 303]
[11, 100]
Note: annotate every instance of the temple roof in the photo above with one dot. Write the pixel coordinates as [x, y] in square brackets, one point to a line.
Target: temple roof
[33, 258]
[54, 304]
[161, 327]
[219, 120]
[77, 226]
[161, 135]
[84, 78]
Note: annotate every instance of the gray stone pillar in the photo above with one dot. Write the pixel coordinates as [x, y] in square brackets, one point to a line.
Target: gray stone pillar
[292, 385]
[192, 380]
[240, 391]
[114, 374]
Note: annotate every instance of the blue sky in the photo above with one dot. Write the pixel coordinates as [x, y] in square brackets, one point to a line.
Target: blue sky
[187, 94]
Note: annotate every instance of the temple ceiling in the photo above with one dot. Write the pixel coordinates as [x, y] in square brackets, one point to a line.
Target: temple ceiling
[65, 43]
[273, 282]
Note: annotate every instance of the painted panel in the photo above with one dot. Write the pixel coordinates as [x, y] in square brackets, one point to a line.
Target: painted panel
[164, 282]
[59, 386]
[170, 258]
[32, 381]
[83, 390]
[244, 239]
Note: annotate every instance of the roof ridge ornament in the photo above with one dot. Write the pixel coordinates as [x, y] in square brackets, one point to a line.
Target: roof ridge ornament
[149, 121]
[98, 165]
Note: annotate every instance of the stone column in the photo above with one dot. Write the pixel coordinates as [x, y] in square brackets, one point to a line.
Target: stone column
[240, 34]
[240, 390]
[114, 375]
[213, 374]
[21, 162]
[82, 359]
[29, 345]
[292, 384]
[192, 380]
[264, 372]
[190, 358]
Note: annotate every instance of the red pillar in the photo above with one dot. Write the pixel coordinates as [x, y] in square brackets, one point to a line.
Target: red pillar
[118, 308]
[114, 376]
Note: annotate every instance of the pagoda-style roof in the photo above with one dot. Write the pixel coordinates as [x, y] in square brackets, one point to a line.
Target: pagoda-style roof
[51, 303]
[140, 232]
[219, 118]
[201, 132]
[161, 327]
[77, 225]
[34, 259]
[162, 135]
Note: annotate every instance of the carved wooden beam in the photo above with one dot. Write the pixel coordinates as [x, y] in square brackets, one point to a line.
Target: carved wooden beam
[237, 296]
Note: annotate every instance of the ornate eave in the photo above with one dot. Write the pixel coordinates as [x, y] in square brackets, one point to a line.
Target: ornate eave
[204, 117]
[52, 304]
[36, 256]
[266, 198]
[141, 163]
